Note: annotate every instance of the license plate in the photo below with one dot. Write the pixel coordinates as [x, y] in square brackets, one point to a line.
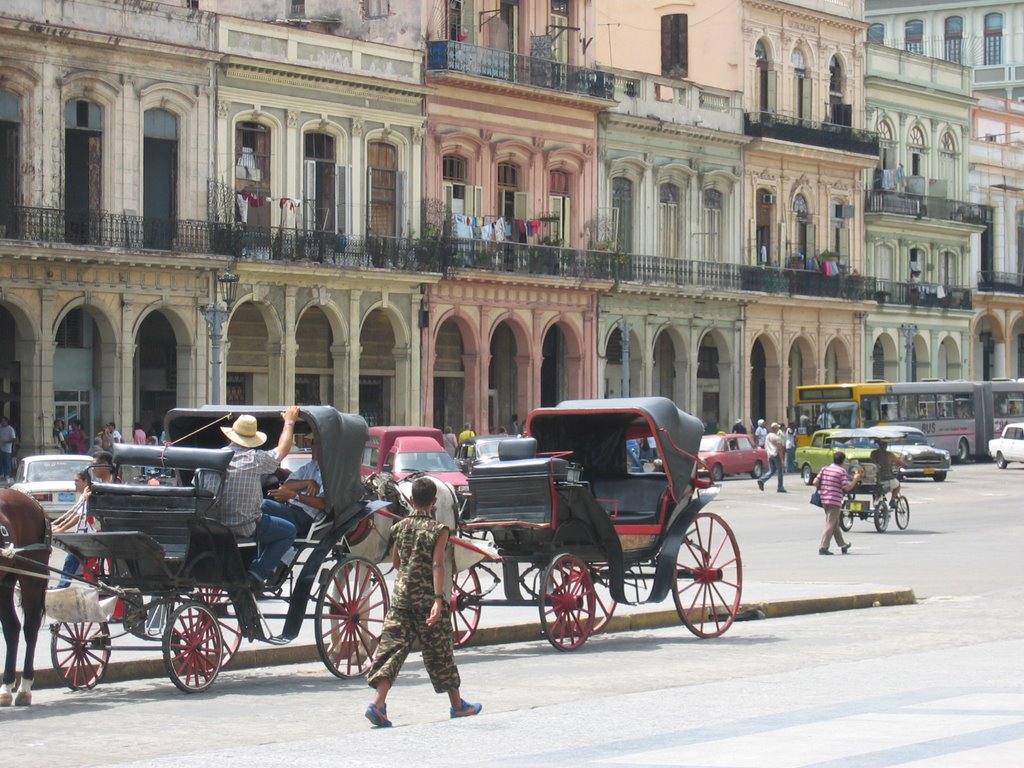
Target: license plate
[66, 498]
[929, 470]
[856, 506]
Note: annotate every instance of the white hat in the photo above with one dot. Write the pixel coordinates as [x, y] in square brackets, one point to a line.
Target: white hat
[760, 422]
[244, 432]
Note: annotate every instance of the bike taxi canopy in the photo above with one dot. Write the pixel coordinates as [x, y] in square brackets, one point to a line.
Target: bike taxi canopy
[595, 433]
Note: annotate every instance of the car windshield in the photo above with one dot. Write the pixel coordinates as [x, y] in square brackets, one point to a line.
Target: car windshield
[487, 449]
[710, 443]
[425, 461]
[53, 471]
[913, 439]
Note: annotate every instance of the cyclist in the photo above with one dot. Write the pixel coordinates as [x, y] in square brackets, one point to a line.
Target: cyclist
[887, 480]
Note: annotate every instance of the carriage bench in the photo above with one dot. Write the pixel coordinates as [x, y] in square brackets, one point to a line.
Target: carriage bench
[632, 500]
[520, 491]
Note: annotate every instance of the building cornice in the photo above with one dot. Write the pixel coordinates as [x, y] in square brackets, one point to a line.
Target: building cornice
[303, 77]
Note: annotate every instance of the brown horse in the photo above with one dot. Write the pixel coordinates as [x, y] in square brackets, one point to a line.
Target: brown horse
[24, 546]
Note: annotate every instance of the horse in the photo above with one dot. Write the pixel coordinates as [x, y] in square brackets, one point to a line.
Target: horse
[24, 552]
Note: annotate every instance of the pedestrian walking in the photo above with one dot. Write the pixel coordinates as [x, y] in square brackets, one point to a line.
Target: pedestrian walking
[60, 440]
[832, 482]
[760, 433]
[776, 451]
[790, 441]
[8, 435]
[466, 433]
[419, 609]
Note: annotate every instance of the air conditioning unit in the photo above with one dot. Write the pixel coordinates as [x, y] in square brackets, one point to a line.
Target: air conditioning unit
[768, 199]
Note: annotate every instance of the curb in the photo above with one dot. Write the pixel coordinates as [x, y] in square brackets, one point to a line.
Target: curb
[267, 655]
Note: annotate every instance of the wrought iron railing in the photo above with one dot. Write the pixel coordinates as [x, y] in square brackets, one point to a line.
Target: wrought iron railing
[1001, 282]
[768, 125]
[926, 206]
[452, 56]
[446, 256]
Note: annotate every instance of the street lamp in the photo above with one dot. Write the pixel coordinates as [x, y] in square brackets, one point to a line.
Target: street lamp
[909, 330]
[215, 314]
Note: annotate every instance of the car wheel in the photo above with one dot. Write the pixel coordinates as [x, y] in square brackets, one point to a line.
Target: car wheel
[757, 471]
[1000, 461]
[939, 477]
[717, 473]
[807, 475]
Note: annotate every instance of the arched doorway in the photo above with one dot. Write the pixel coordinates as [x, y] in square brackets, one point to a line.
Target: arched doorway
[665, 368]
[84, 374]
[553, 381]
[802, 370]
[758, 382]
[449, 377]
[10, 371]
[156, 372]
[920, 365]
[949, 360]
[247, 370]
[614, 386]
[314, 363]
[837, 363]
[709, 384]
[377, 369]
[502, 378]
[884, 359]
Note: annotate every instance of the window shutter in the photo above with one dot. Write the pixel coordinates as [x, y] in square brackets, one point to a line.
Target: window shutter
[844, 245]
[342, 209]
[478, 201]
[521, 205]
[400, 204]
[369, 201]
[781, 245]
[448, 197]
[567, 222]
[309, 204]
[752, 238]
[812, 240]
[773, 89]
[806, 111]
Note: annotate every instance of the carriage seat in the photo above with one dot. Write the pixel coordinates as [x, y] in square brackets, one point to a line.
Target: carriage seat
[631, 500]
[515, 491]
[516, 448]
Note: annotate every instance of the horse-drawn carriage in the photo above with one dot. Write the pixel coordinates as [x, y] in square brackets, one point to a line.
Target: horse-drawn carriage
[578, 532]
[180, 575]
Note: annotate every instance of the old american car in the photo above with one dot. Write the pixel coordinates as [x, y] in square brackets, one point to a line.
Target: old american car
[1009, 446]
[916, 457]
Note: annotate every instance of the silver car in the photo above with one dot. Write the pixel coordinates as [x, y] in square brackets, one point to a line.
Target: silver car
[917, 457]
[50, 480]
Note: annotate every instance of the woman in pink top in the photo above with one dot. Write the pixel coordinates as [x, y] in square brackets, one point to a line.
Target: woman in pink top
[832, 483]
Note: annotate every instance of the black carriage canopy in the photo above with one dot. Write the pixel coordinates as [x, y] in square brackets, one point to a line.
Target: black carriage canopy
[341, 436]
[596, 432]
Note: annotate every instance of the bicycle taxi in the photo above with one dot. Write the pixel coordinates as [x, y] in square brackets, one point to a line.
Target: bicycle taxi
[578, 532]
[877, 496]
[168, 571]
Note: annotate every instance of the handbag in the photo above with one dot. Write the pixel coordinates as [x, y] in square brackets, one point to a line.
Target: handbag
[816, 499]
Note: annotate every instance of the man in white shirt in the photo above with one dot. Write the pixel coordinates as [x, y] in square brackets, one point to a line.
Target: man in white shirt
[7, 438]
[776, 451]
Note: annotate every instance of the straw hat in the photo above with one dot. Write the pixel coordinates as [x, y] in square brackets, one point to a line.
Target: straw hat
[775, 425]
[243, 432]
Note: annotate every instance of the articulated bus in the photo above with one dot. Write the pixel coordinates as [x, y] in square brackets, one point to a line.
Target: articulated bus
[959, 416]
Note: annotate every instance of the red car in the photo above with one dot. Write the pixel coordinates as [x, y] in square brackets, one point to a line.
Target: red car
[732, 455]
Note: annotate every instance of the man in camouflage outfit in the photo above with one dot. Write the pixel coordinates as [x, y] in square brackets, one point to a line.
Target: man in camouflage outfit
[419, 609]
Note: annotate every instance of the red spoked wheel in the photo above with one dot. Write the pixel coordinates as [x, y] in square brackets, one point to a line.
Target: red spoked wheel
[193, 647]
[465, 605]
[350, 611]
[80, 653]
[230, 631]
[567, 603]
[709, 577]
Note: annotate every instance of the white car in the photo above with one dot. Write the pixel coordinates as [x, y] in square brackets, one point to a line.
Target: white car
[50, 480]
[1009, 446]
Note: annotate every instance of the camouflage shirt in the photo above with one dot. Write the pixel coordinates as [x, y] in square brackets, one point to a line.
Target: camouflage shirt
[415, 537]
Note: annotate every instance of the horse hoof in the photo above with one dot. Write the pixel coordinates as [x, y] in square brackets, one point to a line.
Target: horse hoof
[6, 699]
[23, 699]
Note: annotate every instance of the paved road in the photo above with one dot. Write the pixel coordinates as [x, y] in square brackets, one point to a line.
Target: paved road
[938, 683]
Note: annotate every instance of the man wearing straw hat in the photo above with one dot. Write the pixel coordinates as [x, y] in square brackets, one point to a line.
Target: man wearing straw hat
[243, 492]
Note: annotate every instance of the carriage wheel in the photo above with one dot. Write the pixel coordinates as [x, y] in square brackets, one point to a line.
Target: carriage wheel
[464, 608]
[709, 577]
[567, 601]
[218, 601]
[846, 519]
[882, 516]
[902, 513]
[193, 647]
[350, 611]
[80, 653]
[604, 605]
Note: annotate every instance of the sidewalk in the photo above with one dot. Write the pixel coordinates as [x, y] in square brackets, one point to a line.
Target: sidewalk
[500, 625]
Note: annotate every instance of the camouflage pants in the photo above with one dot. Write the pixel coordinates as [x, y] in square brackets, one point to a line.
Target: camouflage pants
[402, 628]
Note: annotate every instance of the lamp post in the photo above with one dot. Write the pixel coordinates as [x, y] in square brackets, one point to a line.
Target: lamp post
[215, 313]
[909, 330]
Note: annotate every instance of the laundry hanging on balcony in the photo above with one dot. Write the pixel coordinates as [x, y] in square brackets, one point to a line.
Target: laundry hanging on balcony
[245, 200]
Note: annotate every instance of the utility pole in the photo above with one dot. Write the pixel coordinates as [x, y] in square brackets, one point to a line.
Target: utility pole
[909, 330]
[625, 327]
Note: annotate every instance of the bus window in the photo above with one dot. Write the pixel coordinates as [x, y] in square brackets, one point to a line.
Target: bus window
[926, 407]
[964, 407]
[908, 407]
[869, 408]
[1008, 403]
[944, 407]
[889, 409]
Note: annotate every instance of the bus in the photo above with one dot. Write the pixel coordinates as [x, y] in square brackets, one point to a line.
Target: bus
[959, 416]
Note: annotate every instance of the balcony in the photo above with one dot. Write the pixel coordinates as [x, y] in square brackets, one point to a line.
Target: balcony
[451, 56]
[924, 206]
[768, 125]
[1001, 282]
[924, 295]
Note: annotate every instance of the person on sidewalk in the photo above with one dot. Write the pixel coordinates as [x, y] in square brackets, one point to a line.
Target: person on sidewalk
[773, 445]
[832, 482]
[7, 437]
[419, 609]
[760, 433]
[243, 492]
[790, 441]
